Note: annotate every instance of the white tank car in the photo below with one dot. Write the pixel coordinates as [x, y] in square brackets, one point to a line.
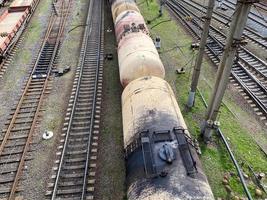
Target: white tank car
[138, 57]
[128, 22]
[120, 6]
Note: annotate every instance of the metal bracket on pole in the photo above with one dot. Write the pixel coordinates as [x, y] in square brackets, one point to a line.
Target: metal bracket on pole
[239, 42]
[207, 127]
[216, 125]
[206, 18]
[206, 130]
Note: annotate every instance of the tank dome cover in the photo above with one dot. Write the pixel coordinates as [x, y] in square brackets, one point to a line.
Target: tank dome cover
[166, 153]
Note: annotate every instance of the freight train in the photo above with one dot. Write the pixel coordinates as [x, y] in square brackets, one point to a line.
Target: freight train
[12, 22]
[161, 158]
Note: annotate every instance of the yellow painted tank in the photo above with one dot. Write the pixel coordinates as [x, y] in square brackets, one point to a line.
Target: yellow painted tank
[149, 103]
[138, 57]
[120, 6]
[157, 145]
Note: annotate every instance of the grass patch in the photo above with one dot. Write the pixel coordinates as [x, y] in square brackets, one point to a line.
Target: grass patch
[176, 53]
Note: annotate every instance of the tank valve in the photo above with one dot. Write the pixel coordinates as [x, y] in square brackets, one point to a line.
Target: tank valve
[166, 153]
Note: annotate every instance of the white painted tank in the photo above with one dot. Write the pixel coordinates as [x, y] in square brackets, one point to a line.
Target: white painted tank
[130, 21]
[120, 6]
[138, 57]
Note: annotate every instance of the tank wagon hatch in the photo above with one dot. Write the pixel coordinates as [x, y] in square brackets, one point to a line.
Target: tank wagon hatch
[159, 149]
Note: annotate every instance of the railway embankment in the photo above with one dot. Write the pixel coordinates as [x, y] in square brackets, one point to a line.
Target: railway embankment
[238, 123]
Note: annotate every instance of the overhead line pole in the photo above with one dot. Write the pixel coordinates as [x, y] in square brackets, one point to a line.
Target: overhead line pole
[203, 41]
[234, 39]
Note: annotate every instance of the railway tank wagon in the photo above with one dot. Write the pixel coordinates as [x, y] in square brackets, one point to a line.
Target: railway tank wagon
[161, 159]
[120, 6]
[136, 51]
[129, 21]
[138, 57]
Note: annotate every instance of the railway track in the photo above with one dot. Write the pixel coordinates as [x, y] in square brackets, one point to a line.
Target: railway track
[246, 58]
[75, 169]
[254, 16]
[17, 40]
[254, 64]
[224, 20]
[261, 6]
[16, 138]
[248, 73]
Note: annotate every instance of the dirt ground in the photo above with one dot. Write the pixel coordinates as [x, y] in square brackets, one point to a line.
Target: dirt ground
[19, 69]
[55, 108]
[111, 171]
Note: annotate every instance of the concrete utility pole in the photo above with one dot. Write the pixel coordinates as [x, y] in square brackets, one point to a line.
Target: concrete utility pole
[204, 36]
[233, 41]
[162, 3]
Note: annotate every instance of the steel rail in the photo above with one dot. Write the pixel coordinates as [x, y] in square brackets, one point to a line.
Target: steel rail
[22, 161]
[260, 85]
[85, 48]
[213, 29]
[72, 113]
[22, 97]
[224, 19]
[242, 50]
[232, 5]
[44, 86]
[261, 5]
[94, 101]
[194, 31]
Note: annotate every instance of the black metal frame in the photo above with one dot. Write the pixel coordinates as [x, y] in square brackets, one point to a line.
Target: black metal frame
[146, 141]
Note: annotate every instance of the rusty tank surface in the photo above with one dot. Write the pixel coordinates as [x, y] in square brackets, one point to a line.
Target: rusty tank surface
[161, 160]
[10, 24]
[120, 6]
[129, 21]
[138, 57]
